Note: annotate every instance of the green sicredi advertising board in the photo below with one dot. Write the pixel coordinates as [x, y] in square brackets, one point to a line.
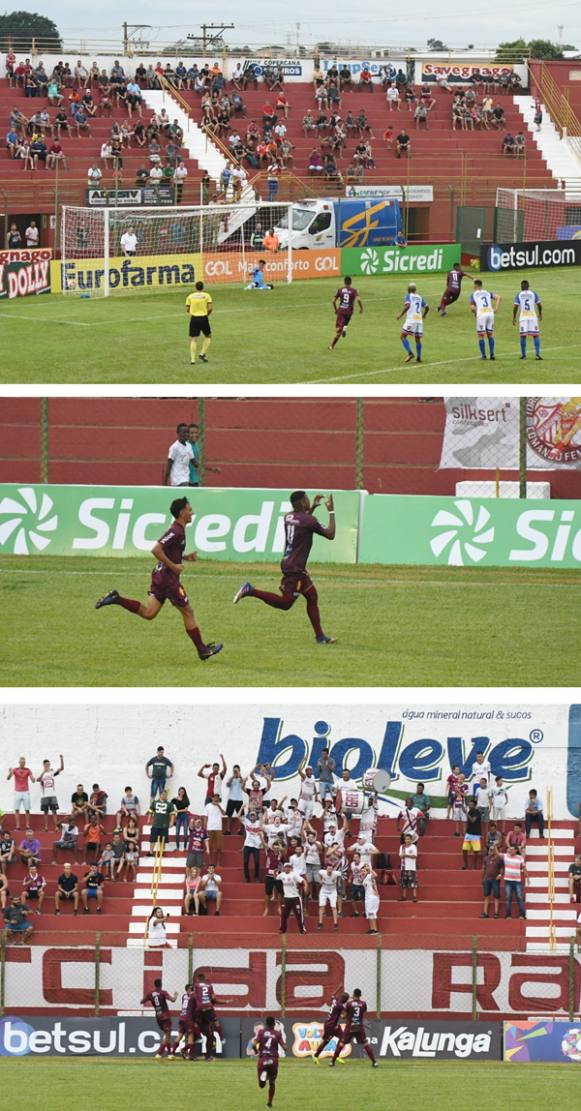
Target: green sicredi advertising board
[228, 524]
[470, 532]
[410, 262]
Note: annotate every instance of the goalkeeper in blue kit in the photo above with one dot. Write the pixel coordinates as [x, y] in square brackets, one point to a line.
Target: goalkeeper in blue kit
[258, 281]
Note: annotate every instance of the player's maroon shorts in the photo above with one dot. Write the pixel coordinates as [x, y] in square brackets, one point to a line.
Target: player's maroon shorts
[206, 1018]
[168, 587]
[356, 1034]
[164, 1023]
[451, 295]
[184, 1027]
[269, 1065]
[342, 319]
[331, 1030]
[296, 583]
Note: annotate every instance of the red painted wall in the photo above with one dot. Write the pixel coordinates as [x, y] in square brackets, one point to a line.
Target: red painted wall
[255, 442]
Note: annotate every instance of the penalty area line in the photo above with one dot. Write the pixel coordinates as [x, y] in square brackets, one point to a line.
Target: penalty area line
[446, 362]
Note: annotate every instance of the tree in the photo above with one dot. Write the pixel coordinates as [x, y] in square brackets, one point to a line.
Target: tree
[512, 51]
[18, 29]
[541, 49]
[437, 44]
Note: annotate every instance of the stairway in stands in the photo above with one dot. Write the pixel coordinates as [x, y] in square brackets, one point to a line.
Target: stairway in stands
[543, 933]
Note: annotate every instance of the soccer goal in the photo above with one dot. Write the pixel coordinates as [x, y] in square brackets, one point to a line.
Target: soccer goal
[140, 249]
[526, 215]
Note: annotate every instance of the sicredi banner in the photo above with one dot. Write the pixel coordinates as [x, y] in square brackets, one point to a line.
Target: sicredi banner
[470, 532]
[44, 1036]
[527, 1041]
[499, 257]
[431, 1040]
[484, 433]
[236, 267]
[410, 262]
[24, 273]
[528, 746]
[140, 272]
[228, 524]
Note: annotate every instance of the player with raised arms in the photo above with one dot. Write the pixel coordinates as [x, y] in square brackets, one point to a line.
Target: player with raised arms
[331, 1028]
[528, 307]
[205, 1001]
[415, 310]
[165, 580]
[483, 305]
[158, 999]
[185, 1025]
[300, 526]
[355, 1011]
[343, 304]
[267, 1044]
[453, 288]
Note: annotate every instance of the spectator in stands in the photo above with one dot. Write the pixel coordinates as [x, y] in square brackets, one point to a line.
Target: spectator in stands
[93, 889]
[471, 845]
[94, 175]
[16, 923]
[253, 842]
[159, 768]
[422, 802]
[155, 175]
[315, 163]
[326, 775]
[192, 884]
[494, 838]
[55, 155]
[515, 875]
[197, 845]
[129, 806]
[211, 889]
[443, 83]
[21, 774]
[6, 850]
[271, 241]
[97, 802]
[408, 852]
[272, 180]
[67, 839]
[491, 872]
[33, 887]
[12, 142]
[118, 849]
[460, 793]
[4, 892]
[67, 889]
[519, 145]
[235, 804]
[403, 144]
[371, 898]
[538, 116]
[499, 800]
[498, 119]
[508, 145]
[93, 833]
[214, 778]
[574, 879]
[79, 802]
[47, 777]
[408, 821]
[162, 819]
[393, 98]
[365, 80]
[483, 795]
[181, 804]
[534, 814]
[421, 116]
[156, 929]
[517, 838]
[214, 824]
[29, 848]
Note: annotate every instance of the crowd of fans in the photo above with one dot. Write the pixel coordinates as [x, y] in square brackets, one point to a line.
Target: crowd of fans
[303, 849]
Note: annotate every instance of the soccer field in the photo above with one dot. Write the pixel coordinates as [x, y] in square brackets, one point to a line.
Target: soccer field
[283, 336]
[67, 1085]
[396, 626]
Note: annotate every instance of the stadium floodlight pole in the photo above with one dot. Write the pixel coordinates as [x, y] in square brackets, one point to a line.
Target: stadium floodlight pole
[106, 241]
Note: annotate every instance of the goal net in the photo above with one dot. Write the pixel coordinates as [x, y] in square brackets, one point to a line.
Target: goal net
[139, 249]
[526, 215]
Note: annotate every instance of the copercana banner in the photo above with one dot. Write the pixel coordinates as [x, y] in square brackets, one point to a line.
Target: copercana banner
[24, 273]
[36, 1035]
[483, 433]
[526, 1041]
[485, 532]
[228, 524]
[407, 261]
[499, 257]
[431, 1040]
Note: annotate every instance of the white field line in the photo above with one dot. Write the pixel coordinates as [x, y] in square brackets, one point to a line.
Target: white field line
[447, 362]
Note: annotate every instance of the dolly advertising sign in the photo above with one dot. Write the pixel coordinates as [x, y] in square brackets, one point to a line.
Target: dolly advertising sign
[24, 273]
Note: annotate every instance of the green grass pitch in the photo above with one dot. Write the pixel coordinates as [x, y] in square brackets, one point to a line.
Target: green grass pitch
[395, 626]
[54, 1084]
[282, 337]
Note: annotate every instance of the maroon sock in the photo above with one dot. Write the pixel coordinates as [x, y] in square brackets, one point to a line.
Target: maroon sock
[314, 616]
[129, 604]
[338, 1049]
[369, 1052]
[276, 600]
[196, 636]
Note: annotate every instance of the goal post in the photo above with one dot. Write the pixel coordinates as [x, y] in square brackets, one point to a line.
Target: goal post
[174, 246]
[528, 215]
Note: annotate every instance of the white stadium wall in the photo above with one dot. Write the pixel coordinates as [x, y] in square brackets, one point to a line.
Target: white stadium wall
[530, 745]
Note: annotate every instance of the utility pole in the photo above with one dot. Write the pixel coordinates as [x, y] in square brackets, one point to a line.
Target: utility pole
[209, 39]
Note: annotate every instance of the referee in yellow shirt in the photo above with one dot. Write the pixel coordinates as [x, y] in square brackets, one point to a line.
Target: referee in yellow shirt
[199, 306]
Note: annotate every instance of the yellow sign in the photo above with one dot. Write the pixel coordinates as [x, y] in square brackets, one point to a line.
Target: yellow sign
[139, 273]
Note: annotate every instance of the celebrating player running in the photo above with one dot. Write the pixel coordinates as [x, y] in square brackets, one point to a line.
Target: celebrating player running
[332, 1028]
[267, 1043]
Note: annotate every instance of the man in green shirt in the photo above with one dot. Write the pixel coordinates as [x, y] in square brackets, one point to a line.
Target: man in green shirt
[422, 802]
[162, 819]
[196, 470]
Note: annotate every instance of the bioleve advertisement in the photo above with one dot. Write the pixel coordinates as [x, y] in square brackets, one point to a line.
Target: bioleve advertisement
[228, 524]
[470, 532]
[410, 262]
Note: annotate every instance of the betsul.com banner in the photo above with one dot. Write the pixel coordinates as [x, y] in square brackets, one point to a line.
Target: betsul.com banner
[470, 532]
[484, 433]
[24, 273]
[431, 1040]
[407, 261]
[94, 1037]
[499, 257]
[228, 524]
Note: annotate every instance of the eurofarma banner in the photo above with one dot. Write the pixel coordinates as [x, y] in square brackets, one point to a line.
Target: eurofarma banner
[470, 532]
[228, 524]
[407, 261]
[24, 273]
[141, 272]
[484, 433]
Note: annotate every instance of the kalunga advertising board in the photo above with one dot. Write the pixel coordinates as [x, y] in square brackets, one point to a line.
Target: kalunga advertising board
[440, 1040]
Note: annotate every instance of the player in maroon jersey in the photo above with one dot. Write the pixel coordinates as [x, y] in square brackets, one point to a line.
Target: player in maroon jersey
[344, 303]
[300, 526]
[158, 999]
[165, 580]
[186, 1025]
[453, 287]
[355, 1011]
[267, 1043]
[205, 1001]
[332, 1029]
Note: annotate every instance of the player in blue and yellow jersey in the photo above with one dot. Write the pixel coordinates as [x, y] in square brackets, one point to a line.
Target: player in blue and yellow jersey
[527, 306]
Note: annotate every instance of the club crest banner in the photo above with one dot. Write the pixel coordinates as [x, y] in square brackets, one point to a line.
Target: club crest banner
[482, 433]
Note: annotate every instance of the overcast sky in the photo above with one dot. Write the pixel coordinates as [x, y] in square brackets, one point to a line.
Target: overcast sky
[455, 22]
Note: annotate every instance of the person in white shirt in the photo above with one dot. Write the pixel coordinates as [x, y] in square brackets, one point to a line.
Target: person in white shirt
[155, 176]
[482, 794]
[179, 176]
[408, 820]
[294, 819]
[343, 784]
[273, 827]
[334, 836]
[365, 848]
[368, 820]
[214, 818]
[128, 242]
[481, 767]
[499, 798]
[328, 880]
[211, 889]
[32, 235]
[356, 890]
[253, 843]
[94, 175]
[298, 861]
[408, 853]
[371, 899]
[313, 850]
[329, 815]
[293, 887]
[156, 931]
[179, 457]
[308, 794]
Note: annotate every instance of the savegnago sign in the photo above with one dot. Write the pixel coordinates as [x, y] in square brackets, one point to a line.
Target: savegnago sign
[229, 524]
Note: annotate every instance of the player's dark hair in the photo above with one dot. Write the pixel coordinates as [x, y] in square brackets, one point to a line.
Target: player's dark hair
[297, 497]
[193, 425]
[157, 983]
[344, 997]
[457, 264]
[347, 280]
[199, 285]
[357, 993]
[477, 282]
[182, 424]
[177, 506]
[270, 1022]
[187, 987]
[524, 284]
[201, 976]
[262, 262]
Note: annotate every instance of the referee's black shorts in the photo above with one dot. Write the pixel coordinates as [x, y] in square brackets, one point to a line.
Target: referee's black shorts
[200, 325]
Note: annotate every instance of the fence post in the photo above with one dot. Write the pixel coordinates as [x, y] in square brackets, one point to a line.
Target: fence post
[44, 439]
[202, 424]
[378, 977]
[522, 448]
[190, 958]
[474, 978]
[2, 971]
[97, 974]
[571, 981]
[359, 442]
[283, 975]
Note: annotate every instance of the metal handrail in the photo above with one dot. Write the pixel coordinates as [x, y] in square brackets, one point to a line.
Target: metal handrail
[557, 104]
[551, 872]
